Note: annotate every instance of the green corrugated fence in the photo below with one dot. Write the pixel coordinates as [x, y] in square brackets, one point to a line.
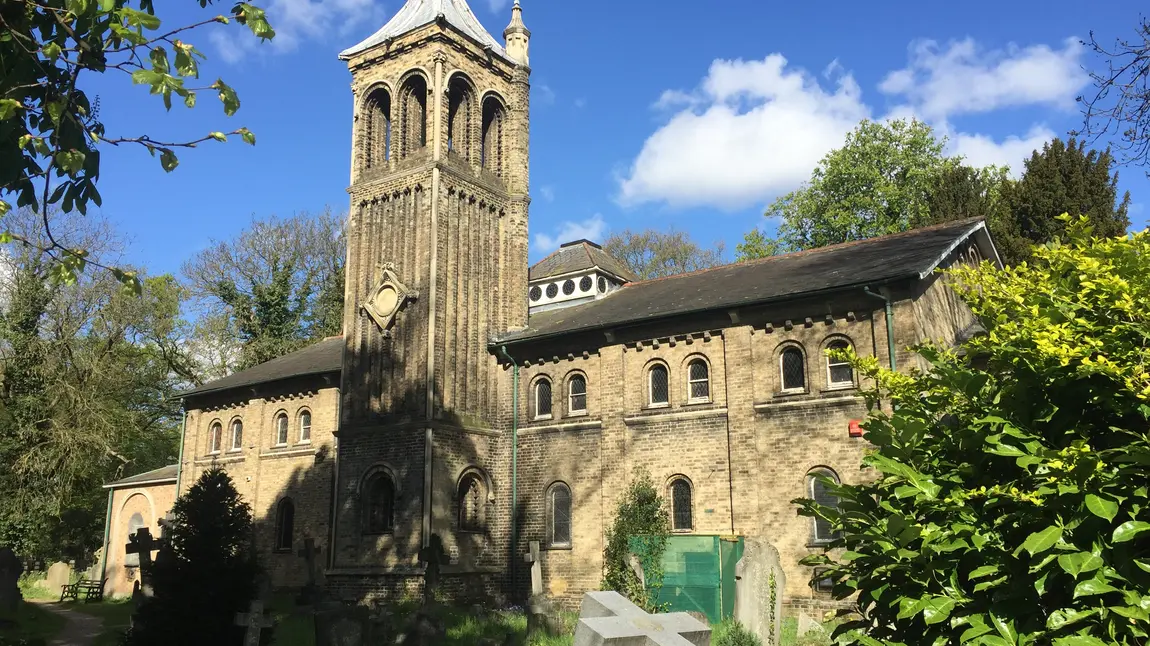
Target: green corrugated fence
[698, 573]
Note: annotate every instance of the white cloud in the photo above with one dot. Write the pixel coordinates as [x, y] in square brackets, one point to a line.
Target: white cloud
[548, 192]
[297, 21]
[496, 5]
[752, 129]
[963, 78]
[546, 96]
[592, 228]
[580, 103]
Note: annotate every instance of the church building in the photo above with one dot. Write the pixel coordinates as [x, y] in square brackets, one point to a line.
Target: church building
[493, 403]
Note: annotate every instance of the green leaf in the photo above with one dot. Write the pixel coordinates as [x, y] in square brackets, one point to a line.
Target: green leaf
[159, 58]
[985, 570]
[218, 136]
[227, 97]
[190, 99]
[1128, 530]
[248, 136]
[71, 161]
[1101, 507]
[1079, 640]
[1004, 628]
[937, 610]
[1042, 540]
[1079, 562]
[168, 160]
[1092, 587]
[1067, 616]
[9, 107]
[1131, 612]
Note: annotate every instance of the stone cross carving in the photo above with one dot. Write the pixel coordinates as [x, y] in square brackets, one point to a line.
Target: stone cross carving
[142, 544]
[254, 621]
[532, 557]
[388, 298]
[609, 618]
[432, 557]
[308, 553]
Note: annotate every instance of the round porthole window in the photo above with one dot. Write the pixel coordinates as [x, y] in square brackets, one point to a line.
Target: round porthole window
[585, 284]
[568, 287]
[535, 293]
[602, 284]
[552, 290]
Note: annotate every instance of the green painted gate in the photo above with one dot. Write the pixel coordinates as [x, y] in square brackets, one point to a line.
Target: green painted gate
[699, 574]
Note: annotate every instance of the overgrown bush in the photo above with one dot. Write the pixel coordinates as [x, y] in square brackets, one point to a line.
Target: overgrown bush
[640, 513]
[210, 575]
[732, 633]
[1010, 505]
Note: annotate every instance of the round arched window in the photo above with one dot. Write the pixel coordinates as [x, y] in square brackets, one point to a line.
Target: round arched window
[552, 290]
[602, 284]
[535, 293]
[585, 284]
[568, 287]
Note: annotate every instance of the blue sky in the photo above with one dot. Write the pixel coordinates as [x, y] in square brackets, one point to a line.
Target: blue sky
[645, 113]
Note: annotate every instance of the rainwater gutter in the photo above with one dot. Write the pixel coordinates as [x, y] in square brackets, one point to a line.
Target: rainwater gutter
[107, 534]
[180, 456]
[889, 326]
[514, 458]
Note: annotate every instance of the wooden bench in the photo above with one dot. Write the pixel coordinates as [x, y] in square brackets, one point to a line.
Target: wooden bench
[92, 590]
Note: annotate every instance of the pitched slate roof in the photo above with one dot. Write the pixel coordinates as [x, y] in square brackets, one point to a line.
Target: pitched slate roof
[909, 254]
[417, 13]
[155, 476]
[578, 256]
[318, 358]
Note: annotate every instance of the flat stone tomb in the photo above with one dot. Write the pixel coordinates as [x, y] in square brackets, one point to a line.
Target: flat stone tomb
[609, 618]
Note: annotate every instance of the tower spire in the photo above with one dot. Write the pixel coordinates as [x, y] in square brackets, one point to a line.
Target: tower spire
[517, 36]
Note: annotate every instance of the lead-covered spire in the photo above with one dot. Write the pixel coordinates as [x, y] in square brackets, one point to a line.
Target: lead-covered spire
[418, 13]
[518, 36]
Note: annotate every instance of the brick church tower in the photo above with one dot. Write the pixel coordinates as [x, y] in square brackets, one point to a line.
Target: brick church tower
[436, 265]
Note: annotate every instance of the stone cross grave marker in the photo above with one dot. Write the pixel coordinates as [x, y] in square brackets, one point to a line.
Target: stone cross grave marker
[432, 556]
[532, 557]
[10, 570]
[59, 575]
[759, 586]
[609, 618]
[143, 544]
[310, 553]
[254, 622]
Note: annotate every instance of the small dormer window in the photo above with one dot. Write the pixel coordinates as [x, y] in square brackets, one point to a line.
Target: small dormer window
[602, 284]
[552, 290]
[535, 293]
[585, 284]
[568, 287]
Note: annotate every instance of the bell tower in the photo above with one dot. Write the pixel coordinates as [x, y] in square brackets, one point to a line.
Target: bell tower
[437, 238]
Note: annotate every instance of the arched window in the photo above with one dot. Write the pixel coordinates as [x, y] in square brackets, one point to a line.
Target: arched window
[471, 494]
[818, 490]
[698, 381]
[135, 523]
[281, 429]
[839, 371]
[304, 426]
[413, 115]
[379, 504]
[377, 129]
[559, 515]
[792, 369]
[681, 520]
[658, 392]
[491, 153]
[543, 399]
[460, 109]
[215, 437]
[285, 525]
[577, 395]
[237, 435]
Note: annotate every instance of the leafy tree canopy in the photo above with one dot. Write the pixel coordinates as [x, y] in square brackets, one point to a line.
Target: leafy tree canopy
[51, 136]
[277, 286]
[1010, 498]
[653, 254]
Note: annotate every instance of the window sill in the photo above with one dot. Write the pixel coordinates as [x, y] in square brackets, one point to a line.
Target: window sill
[578, 413]
[835, 389]
[794, 392]
[657, 406]
[698, 402]
[682, 531]
[541, 418]
[559, 547]
[473, 532]
[239, 450]
[282, 550]
[280, 446]
[389, 532]
[303, 442]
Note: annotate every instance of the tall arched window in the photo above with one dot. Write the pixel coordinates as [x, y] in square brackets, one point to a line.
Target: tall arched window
[543, 399]
[681, 520]
[792, 369]
[379, 504]
[658, 392]
[281, 429]
[285, 525]
[215, 437]
[377, 129]
[491, 153]
[559, 515]
[818, 490]
[471, 495]
[134, 524]
[413, 114]
[839, 371]
[577, 395]
[237, 435]
[460, 114]
[698, 381]
[305, 426]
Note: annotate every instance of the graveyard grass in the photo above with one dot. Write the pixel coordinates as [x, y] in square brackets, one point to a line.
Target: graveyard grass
[32, 587]
[32, 623]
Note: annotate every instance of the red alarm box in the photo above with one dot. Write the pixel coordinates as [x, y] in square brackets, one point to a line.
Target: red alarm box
[854, 428]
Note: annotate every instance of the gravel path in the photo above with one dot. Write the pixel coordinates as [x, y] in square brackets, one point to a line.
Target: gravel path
[80, 630]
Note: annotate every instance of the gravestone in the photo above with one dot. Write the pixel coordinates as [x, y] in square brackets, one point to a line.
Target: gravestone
[637, 568]
[142, 544]
[254, 621]
[610, 619]
[542, 616]
[432, 558]
[313, 589]
[10, 570]
[59, 575]
[759, 586]
[339, 625]
[532, 557]
[809, 626]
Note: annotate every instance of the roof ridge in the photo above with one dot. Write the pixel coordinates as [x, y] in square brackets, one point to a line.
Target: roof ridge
[813, 250]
